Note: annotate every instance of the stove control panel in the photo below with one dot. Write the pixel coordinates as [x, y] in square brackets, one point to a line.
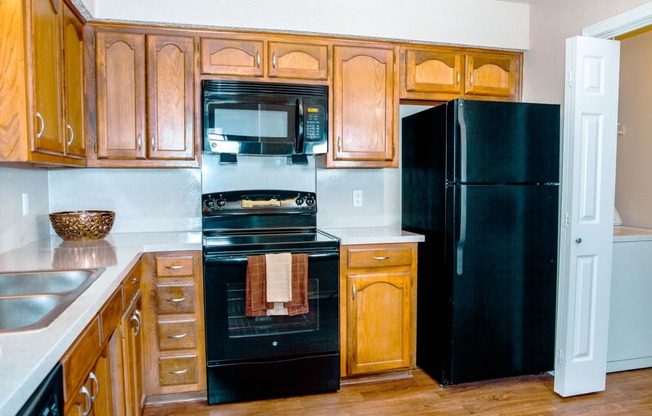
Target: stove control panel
[259, 201]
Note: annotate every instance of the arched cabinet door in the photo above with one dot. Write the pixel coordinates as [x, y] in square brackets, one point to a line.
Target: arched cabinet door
[493, 75]
[120, 84]
[365, 107]
[171, 97]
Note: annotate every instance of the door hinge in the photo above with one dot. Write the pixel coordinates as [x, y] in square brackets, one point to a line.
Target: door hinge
[560, 356]
[571, 79]
[566, 219]
[122, 332]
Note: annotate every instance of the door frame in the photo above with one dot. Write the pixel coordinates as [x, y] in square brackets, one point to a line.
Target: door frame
[620, 24]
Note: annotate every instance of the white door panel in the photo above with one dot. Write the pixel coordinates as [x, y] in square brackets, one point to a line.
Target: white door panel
[588, 181]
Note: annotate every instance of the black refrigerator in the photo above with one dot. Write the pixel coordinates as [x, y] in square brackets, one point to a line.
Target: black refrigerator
[480, 180]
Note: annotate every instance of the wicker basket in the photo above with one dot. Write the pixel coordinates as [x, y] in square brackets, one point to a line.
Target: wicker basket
[82, 225]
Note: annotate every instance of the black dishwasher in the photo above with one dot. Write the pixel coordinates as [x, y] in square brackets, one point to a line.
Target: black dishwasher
[47, 400]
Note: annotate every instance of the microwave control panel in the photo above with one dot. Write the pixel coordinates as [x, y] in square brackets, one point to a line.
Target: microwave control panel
[314, 120]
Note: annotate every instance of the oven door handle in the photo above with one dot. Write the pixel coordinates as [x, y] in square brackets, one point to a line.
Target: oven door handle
[216, 258]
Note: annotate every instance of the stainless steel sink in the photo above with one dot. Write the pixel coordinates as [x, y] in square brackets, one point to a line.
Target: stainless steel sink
[32, 300]
[55, 281]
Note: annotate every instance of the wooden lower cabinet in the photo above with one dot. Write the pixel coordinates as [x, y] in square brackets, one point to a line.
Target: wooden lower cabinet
[173, 313]
[378, 302]
[131, 350]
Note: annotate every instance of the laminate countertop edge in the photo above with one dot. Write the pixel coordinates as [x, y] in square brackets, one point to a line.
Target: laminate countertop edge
[373, 235]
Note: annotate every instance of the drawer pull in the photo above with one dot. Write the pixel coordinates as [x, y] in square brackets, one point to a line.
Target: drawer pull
[174, 267]
[178, 336]
[380, 258]
[178, 372]
[176, 300]
[135, 281]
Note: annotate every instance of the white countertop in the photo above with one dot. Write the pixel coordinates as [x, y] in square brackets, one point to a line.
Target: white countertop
[373, 235]
[27, 357]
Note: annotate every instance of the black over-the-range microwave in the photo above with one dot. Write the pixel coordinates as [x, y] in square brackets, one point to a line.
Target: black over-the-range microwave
[255, 118]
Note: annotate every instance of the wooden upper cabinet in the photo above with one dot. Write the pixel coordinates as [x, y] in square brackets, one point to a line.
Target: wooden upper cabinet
[365, 107]
[252, 57]
[232, 56]
[171, 93]
[145, 107]
[73, 71]
[120, 83]
[492, 74]
[46, 55]
[39, 81]
[298, 60]
[425, 72]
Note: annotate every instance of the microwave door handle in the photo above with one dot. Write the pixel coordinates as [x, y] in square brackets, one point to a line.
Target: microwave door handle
[298, 144]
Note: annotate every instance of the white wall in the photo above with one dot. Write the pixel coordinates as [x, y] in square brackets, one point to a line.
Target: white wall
[469, 22]
[551, 22]
[17, 229]
[144, 200]
[634, 158]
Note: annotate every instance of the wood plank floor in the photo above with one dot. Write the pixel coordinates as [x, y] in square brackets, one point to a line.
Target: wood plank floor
[628, 393]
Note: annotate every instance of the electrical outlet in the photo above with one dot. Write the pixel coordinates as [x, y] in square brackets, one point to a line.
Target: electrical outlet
[357, 198]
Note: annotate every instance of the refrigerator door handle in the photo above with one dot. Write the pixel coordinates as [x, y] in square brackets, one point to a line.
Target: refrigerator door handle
[462, 239]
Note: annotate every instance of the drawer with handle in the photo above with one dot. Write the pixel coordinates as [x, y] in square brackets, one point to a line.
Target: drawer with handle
[379, 256]
[177, 334]
[179, 298]
[174, 266]
[177, 370]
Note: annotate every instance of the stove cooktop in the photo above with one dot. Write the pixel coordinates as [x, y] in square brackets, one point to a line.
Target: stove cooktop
[214, 242]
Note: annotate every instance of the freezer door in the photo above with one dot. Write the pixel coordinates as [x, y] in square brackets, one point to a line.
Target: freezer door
[503, 142]
[504, 266]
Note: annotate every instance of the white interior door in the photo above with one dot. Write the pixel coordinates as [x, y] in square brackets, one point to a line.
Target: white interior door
[587, 201]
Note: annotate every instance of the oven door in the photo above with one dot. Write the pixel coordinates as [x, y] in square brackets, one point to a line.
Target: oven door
[233, 337]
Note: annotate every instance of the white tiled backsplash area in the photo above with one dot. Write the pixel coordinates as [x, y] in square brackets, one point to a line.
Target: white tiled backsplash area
[151, 200]
[17, 229]
[144, 200]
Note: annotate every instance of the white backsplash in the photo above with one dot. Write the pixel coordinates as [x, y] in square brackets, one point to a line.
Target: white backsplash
[17, 229]
[144, 200]
[256, 172]
[151, 200]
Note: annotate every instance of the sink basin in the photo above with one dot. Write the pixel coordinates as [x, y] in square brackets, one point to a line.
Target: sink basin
[25, 312]
[33, 299]
[56, 281]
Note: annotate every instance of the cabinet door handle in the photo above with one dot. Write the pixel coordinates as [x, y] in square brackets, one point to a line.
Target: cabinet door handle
[72, 134]
[339, 144]
[380, 258]
[258, 59]
[274, 60]
[178, 372]
[89, 401]
[153, 142]
[139, 142]
[472, 79]
[174, 267]
[178, 336]
[458, 78]
[39, 117]
[136, 317]
[176, 300]
[135, 281]
[353, 291]
[95, 390]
